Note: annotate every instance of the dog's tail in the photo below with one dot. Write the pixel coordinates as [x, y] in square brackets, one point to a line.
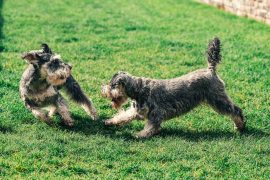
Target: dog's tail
[213, 53]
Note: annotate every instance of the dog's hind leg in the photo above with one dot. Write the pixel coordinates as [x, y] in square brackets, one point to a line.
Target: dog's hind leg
[222, 104]
[62, 109]
[76, 93]
[38, 112]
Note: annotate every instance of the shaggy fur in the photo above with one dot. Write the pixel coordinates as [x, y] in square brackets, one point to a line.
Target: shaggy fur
[45, 75]
[159, 100]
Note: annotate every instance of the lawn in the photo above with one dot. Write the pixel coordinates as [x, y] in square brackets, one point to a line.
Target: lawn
[157, 39]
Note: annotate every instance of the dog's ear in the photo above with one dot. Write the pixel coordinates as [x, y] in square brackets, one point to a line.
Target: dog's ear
[122, 80]
[122, 77]
[119, 78]
[31, 57]
[46, 48]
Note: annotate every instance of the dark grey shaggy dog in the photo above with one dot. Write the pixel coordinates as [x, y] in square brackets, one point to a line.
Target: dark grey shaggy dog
[159, 100]
[45, 75]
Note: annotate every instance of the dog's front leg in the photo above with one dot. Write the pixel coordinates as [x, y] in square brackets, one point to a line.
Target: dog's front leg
[76, 93]
[62, 109]
[149, 130]
[52, 111]
[152, 126]
[38, 113]
[123, 117]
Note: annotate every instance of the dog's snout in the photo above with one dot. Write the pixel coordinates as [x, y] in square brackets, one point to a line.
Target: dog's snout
[62, 77]
[23, 55]
[69, 66]
[104, 90]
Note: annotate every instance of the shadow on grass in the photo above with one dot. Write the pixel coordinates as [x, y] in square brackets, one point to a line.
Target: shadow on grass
[5, 129]
[211, 134]
[87, 127]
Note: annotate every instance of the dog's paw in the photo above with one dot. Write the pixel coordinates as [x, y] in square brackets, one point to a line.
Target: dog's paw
[69, 123]
[109, 122]
[45, 118]
[146, 133]
[240, 126]
[142, 134]
[240, 129]
[95, 117]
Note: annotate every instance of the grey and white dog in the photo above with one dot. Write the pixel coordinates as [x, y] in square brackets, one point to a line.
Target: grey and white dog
[45, 75]
[159, 100]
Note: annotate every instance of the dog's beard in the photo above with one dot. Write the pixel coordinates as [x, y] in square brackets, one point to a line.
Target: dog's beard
[58, 77]
[117, 96]
[55, 81]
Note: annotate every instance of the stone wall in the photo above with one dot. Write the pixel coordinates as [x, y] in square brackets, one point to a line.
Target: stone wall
[258, 9]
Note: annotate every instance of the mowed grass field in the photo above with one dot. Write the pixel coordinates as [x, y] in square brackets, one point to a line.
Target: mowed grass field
[157, 39]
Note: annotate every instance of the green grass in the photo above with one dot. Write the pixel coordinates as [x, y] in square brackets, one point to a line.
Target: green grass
[158, 39]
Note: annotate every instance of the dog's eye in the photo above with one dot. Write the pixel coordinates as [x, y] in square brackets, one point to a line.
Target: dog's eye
[55, 62]
[113, 86]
